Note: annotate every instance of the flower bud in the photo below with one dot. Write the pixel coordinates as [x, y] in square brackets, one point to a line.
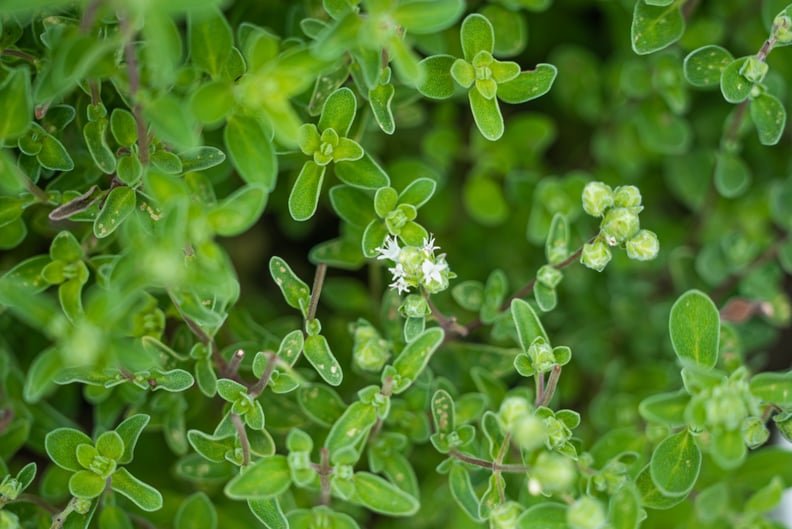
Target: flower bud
[512, 411]
[549, 276]
[644, 246]
[586, 513]
[541, 355]
[783, 422]
[782, 28]
[552, 473]
[597, 197]
[504, 515]
[529, 432]
[754, 69]
[619, 224]
[596, 255]
[754, 432]
[414, 306]
[627, 197]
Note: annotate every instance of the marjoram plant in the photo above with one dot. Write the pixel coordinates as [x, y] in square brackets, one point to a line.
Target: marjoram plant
[346, 264]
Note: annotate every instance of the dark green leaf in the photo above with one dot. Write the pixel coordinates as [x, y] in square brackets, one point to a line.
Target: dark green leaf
[118, 205]
[655, 27]
[732, 175]
[295, 291]
[427, 16]
[416, 354]
[318, 353]
[703, 66]
[304, 196]
[528, 85]
[95, 135]
[210, 41]
[734, 87]
[53, 155]
[266, 478]
[462, 491]
[16, 103]
[124, 127]
[144, 496]
[769, 118]
[675, 464]
[382, 496]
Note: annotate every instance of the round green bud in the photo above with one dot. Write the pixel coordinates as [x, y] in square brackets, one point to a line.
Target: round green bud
[299, 460]
[644, 246]
[505, 515]
[726, 409]
[549, 276]
[782, 28]
[754, 69]
[82, 505]
[313, 327]
[627, 197]
[586, 513]
[619, 225]
[542, 356]
[529, 432]
[754, 432]
[513, 410]
[597, 197]
[551, 473]
[596, 255]
[415, 306]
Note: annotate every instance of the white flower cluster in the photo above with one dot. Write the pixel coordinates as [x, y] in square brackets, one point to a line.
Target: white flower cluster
[416, 266]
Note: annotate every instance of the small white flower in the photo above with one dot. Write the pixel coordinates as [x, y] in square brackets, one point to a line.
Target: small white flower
[400, 285]
[389, 249]
[432, 271]
[428, 245]
[398, 271]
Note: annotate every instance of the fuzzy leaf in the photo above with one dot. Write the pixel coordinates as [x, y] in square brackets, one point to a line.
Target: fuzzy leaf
[769, 118]
[675, 464]
[476, 35]
[266, 478]
[118, 205]
[421, 17]
[655, 27]
[364, 173]
[295, 291]
[382, 496]
[95, 135]
[486, 114]
[304, 196]
[339, 111]
[16, 103]
[462, 491]
[251, 151]
[144, 496]
[694, 326]
[734, 86]
[130, 430]
[239, 211]
[773, 388]
[438, 83]
[352, 426]
[703, 66]
[196, 511]
[61, 445]
[268, 511]
[210, 41]
[416, 354]
[528, 85]
[318, 353]
[528, 325]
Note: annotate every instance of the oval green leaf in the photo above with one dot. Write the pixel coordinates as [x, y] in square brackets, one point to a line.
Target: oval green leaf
[318, 353]
[239, 211]
[694, 326]
[703, 66]
[266, 478]
[383, 497]
[120, 203]
[769, 118]
[675, 464]
[416, 354]
[251, 151]
[655, 27]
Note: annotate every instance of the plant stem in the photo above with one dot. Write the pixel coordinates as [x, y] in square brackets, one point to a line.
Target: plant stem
[134, 86]
[243, 439]
[449, 324]
[261, 383]
[325, 470]
[205, 339]
[316, 290]
[19, 54]
[233, 366]
[492, 465]
[550, 388]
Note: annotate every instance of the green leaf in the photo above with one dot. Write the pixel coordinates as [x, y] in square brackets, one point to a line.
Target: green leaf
[321, 404]
[380, 98]
[773, 388]
[703, 66]
[545, 296]
[295, 291]
[268, 511]
[174, 380]
[382, 496]
[665, 408]
[694, 326]
[732, 175]
[201, 158]
[86, 484]
[528, 85]
[557, 244]
[528, 325]
[512, 35]
[486, 114]
[769, 118]
[364, 173]
[61, 445]
[124, 127]
[675, 464]
[129, 169]
[420, 17]
[443, 412]
[212, 101]
[110, 445]
[251, 151]
[172, 121]
[318, 353]
[130, 430]
[416, 354]
[339, 111]
[624, 509]
[651, 496]
[16, 103]
[437, 83]
[304, 196]
[239, 211]
[113, 517]
[53, 155]
[767, 498]
[351, 427]
[144, 496]
[166, 161]
[266, 478]
[211, 447]
[734, 87]
[118, 205]
[352, 205]
[544, 516]
[418, 192]
[727, 448]
[210, 39]
[95, 135]
[462, 491]
[476, 35]
[655, 27]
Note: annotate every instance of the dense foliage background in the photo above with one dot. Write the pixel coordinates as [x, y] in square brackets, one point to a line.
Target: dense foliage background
[171, 195]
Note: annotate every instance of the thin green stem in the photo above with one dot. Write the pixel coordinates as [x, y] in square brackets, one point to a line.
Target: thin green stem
[19, 54]
[261, 383]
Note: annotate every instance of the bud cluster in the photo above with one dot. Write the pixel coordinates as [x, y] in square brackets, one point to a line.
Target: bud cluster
[620, 226]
